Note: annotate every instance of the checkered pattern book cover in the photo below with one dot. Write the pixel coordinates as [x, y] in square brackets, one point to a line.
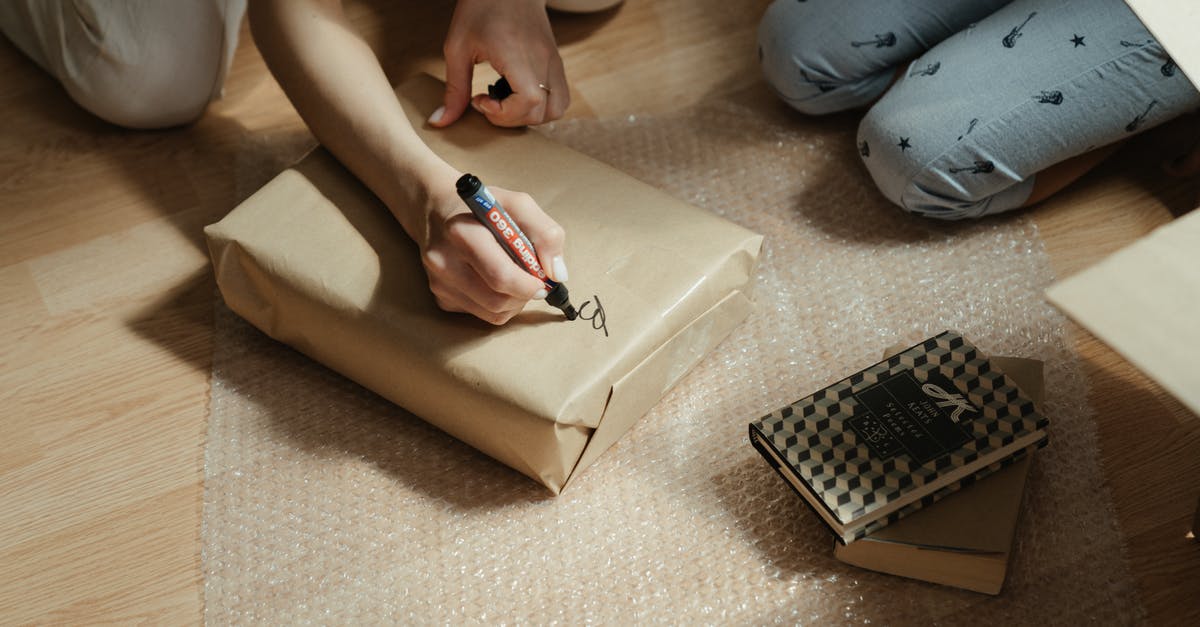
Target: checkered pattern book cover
[906, 423]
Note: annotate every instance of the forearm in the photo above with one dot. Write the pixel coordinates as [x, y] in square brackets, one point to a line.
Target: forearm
[337, 85]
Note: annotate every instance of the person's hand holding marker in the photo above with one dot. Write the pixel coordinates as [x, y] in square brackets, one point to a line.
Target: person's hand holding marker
[469, 272]
[514, 37]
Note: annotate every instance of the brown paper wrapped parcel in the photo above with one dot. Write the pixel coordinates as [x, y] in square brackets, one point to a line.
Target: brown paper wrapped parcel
[315, 260]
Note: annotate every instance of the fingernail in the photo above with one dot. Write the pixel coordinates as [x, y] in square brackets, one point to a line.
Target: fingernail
[437, 115]
[540, 294]
[560, 269]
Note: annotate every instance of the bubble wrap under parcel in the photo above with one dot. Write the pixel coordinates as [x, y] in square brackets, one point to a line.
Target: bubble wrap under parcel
[325, 503]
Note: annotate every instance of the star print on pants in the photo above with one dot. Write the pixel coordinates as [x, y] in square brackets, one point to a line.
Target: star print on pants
[904, 145]
[1078, 41]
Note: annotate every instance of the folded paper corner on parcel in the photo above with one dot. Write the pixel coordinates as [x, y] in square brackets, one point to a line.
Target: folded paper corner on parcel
[315, 260]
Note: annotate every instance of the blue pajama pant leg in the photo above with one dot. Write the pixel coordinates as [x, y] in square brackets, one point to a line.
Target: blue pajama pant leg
[979, 113]
[1036, 83]
[823, 56]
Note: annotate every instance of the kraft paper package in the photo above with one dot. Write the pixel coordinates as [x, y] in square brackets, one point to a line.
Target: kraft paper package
[315, 260]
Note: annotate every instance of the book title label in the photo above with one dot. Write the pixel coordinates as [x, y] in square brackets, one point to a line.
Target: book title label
[921, 419]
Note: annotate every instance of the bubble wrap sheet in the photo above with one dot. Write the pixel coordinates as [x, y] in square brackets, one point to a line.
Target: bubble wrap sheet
[324, 503]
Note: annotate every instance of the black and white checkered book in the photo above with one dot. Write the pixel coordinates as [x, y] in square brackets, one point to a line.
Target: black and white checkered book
[886, 441]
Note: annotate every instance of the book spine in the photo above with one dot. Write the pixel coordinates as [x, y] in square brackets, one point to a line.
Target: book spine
[760, 442]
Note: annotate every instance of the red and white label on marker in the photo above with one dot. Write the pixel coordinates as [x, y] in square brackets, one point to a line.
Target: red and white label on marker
[516, 242]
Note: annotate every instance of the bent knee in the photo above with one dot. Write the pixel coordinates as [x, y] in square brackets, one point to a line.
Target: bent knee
[936, 192]
[803, 70]
[926, 173]
[157, 71]
[937, 197]
[128, 99]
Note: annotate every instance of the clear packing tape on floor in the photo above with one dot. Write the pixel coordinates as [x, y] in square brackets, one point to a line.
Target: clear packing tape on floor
[324, 502]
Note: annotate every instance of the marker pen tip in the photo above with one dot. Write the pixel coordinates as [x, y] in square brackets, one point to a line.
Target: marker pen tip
[558, 297]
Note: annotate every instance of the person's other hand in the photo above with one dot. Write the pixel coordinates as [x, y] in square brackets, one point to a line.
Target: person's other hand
[469, 271]
[514, 36]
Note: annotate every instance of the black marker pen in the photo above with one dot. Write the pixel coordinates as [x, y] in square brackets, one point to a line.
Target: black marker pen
[496, 219]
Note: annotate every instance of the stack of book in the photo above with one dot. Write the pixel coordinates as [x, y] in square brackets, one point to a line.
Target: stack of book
[882, 457]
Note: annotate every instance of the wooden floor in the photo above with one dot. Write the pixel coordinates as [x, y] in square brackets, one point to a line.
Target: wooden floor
[107, 295]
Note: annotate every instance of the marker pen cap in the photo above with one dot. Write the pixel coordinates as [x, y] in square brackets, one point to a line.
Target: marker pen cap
[467, 185]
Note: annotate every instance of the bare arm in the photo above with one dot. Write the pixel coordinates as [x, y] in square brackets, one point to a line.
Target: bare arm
[334, 80]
